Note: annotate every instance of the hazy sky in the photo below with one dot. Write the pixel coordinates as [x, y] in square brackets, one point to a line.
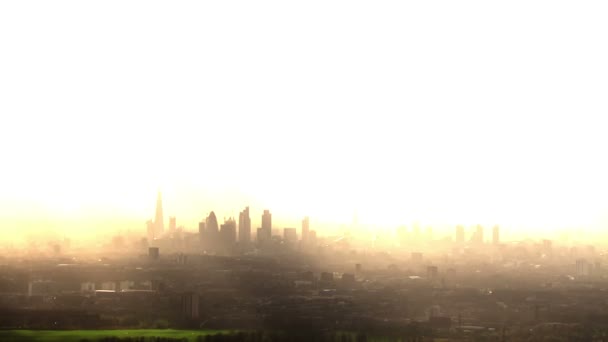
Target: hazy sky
[438, 111]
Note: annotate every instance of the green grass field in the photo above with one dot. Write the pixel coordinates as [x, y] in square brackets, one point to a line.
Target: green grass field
[94, 335]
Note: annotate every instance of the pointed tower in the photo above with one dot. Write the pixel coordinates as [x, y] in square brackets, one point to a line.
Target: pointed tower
[158, 219]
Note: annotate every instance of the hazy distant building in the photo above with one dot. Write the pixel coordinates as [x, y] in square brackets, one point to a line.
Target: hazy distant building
[417, 257]
[265, 233]
[290, 235]
[153, 253]
[159, 225]
[260, 235]
[496, 235]
[209, 232]
[459, 234]
[172, 224]
[201, 230]
[478, 235]
[190, 303]
[244, 227]
[312, 237]
[228, 233]
[211, 225]
[583, 268]
[327, 277]
[305, 229]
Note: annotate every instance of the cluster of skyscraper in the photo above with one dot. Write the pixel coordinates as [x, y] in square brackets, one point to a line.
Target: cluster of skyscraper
[230, 234]
[477, 236]
[224, 237]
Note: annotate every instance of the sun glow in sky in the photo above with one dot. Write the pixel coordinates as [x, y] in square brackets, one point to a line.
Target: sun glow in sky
[441, 112]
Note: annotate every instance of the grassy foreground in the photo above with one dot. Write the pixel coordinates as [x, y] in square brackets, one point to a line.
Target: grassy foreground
[94, 335]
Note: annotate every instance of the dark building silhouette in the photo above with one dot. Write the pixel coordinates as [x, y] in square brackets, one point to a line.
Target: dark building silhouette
[190, 303]
[244, 227]
[327, 277]
[211, 225]
[265, 233]
[211, 233]
[228, 233]
[153, 253]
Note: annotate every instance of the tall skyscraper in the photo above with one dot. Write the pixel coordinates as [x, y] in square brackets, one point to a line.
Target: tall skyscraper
[496, 235]
[211, 232]
[211, 225]
[459, 234]
[267, 220]
[244, 227]
[159, 225]
[266, 232]
[228, 233]
[305, 229]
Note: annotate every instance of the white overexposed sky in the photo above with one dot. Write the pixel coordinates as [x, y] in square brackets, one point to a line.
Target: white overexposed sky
[442, 112]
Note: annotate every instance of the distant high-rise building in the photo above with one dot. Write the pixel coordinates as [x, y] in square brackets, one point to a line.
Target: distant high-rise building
[211, 233]
[201, 230]
[244, 227]
[159, 225]
[496, 235]
[267, 220]
[478, 235]
[266, 231]
[228, 233]
[290, 235]
[305, 229]
[172, 224]
[459, 234]
[312, 237]
[211, 225]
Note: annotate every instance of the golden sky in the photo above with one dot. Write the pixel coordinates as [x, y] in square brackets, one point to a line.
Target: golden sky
[439, 112]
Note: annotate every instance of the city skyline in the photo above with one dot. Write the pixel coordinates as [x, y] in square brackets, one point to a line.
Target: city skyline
[501, 124]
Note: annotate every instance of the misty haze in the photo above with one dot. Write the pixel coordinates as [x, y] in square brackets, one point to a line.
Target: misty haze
[315, 171]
